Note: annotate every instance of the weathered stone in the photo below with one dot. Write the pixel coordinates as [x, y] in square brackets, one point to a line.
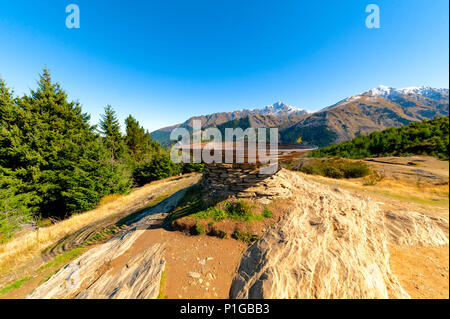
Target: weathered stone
[240, 180]
[245, 195]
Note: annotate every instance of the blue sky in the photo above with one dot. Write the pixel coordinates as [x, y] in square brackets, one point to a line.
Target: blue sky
[164, 61]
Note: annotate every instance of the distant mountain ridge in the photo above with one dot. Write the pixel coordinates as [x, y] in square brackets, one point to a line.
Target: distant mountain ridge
[361, 114]
[277, 115]
[278, 109]
[390, 93]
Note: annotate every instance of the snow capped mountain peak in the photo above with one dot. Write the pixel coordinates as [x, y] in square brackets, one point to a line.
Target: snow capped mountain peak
[385, 91]
[424, 91]
[279, 108]
[381, 90]
[391, 93]
[414, 89]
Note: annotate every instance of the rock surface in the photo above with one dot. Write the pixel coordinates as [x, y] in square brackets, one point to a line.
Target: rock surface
[333, 244]
[90, 275]
[139, 279]
[242, 181]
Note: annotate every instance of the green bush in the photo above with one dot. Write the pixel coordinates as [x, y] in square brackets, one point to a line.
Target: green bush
[192, 205]
[238, 210]
[337, 168]
[217, 233]
[245, 237]
[192, 168]
[15, 207]
[197, 229]
[157, 168]
[267, 213]
[216, 214]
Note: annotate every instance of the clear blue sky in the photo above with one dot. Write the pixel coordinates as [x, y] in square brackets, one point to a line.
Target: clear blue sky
[164, 61]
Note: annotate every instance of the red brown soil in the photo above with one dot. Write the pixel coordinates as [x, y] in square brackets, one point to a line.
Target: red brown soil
[215, 260]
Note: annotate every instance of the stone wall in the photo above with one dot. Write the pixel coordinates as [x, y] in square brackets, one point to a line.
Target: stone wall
[241, 181]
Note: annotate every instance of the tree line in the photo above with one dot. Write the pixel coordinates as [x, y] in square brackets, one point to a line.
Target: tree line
[54, 163]
[429, 137]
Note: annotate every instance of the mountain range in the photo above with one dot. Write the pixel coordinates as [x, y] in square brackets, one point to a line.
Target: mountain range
[361, 114]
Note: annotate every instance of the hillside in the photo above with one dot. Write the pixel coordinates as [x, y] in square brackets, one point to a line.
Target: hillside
[362, 114]
[424, 138]
[362, 254]
[375, 110]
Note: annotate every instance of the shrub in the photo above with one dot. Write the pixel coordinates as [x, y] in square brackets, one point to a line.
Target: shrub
[245, 237]
[192, 205]
[191, 168]
[238, 210]
[337, 168]
[218, 233]
[355, 170]
[157, 168]
[216, 214]
[423, 138]
[267, 213]
[197, 229]
[15, 208]
[372, 179]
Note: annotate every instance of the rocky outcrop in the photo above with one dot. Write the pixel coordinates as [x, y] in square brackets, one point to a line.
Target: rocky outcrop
[91, 275]
[333, 244]
[243, 181]
[138, 279]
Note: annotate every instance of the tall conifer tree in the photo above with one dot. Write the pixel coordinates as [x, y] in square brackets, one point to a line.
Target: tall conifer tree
[140, 144]
[110, 130]
[56, 153]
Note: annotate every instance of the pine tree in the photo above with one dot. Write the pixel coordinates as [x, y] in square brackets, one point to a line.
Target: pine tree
[56, 154]
[15, 204]
[112, 137]
[140, 144]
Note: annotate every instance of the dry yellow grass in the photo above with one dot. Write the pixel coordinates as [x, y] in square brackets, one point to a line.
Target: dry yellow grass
[423, 190]
[28, 245]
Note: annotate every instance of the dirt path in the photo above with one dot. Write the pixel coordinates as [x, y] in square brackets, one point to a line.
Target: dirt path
[121, 220]
[121, 216]
[195, 266]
